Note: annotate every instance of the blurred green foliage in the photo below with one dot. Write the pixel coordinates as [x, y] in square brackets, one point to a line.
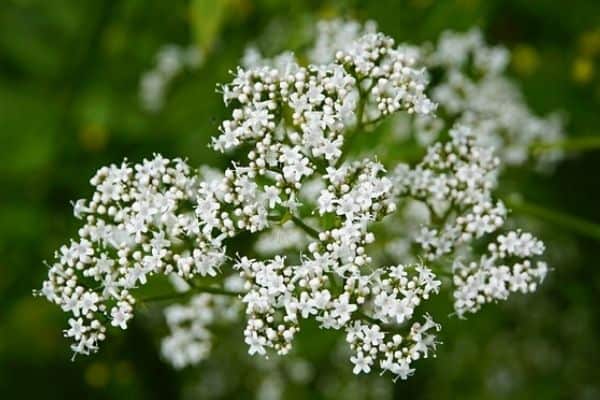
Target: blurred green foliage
[69, 75]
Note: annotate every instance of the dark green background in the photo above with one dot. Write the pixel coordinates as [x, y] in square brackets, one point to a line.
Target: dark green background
[69, 73]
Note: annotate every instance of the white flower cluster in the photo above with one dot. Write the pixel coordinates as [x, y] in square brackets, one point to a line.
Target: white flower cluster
[455, 181]
[294, 123]
[395, 352]
[190, 339]
[491, 279]
[279, 296]
[139, 222]
[336, 283]
[474, 91]
[171, 61]
[455, 49]
[470, 88]
[319, 102]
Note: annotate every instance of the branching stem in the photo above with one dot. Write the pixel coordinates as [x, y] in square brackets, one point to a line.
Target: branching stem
[575, 224]
[310, 231]
[193, 290]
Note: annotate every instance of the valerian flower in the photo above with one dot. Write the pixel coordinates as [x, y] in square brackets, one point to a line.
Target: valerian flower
[296, 123]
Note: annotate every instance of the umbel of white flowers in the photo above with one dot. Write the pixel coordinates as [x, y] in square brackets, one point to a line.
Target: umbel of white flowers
[161, 217]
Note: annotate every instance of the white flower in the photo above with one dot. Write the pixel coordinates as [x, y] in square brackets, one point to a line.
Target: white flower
[361, 363]
[77, 329]
[88, 302]
[315, 214]
[120, 315]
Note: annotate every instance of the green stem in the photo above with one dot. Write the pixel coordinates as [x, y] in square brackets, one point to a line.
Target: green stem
[310, 231]
[360, 110]
[366, 318]
[575, 224]
[582, 143]
[375, 121]
[194, 290]
[385, 327]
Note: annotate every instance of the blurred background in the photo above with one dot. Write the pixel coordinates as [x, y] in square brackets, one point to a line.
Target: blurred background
[70, 76]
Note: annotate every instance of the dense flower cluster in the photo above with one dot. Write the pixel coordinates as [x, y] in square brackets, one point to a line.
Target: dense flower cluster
[491, 279]
[396, 353]
[455, 181]
[295, 124]
[138, 223]
[318, 102]
[470, 87]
